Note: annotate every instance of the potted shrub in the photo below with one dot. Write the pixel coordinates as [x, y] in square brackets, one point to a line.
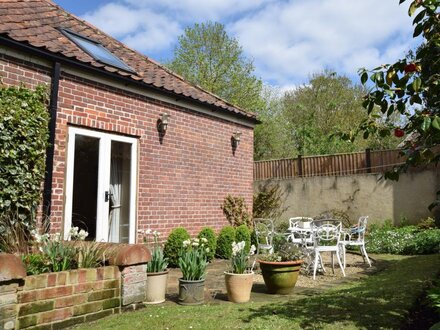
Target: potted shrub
[193, 262]
[280, 269]
[240, 278]
[157, 272]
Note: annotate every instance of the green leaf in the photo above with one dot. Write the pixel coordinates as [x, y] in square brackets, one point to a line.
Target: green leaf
[419, 16]
[436, 123]
[370, 107]
[364, 78]
[391, 110]
[412, 8]
[418, 30]
[416, 84]
[426, 124]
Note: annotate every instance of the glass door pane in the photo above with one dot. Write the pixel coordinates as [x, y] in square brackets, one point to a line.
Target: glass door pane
[120, 186]
[85, 184]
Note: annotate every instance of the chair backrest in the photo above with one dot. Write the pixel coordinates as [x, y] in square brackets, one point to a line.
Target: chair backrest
[330, 221]
[294, 222]
[264, 230]
[326, 234]
[361, 228]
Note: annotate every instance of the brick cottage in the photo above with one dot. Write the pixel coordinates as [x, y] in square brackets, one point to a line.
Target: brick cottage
[133, 146]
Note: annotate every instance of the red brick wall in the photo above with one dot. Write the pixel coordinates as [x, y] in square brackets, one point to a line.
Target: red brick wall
[183, 181]
[75, 296]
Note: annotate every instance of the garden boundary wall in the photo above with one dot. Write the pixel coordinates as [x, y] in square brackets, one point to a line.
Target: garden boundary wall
[362, 194]
[63, 299]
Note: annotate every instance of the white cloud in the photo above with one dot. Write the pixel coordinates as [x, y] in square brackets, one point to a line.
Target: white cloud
[141, 29]
[197, 10]
[288, 39]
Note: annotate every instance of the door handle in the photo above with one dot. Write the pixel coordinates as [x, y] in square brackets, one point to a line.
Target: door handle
[107, 196]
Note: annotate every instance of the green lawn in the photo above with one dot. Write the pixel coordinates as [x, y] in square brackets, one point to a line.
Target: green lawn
[381, 300]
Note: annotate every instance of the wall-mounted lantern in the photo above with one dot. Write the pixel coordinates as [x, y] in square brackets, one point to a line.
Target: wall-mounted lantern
[235, 140]
[162, 123]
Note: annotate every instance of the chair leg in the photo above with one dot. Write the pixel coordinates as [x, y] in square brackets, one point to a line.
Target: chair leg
[364, 253]
[321, 262]
[340, 263]
[315, 265]
[333, 262]
[344, 256]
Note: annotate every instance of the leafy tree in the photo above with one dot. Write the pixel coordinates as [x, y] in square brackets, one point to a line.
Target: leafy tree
[410, 88]
[271, 137]
[317, 110]
[208, 57]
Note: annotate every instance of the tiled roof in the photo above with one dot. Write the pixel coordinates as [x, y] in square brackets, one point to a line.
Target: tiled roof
[37, 22]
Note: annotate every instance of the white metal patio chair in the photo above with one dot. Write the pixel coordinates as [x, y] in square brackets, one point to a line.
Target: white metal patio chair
[355, 236]
[298, 234]
[264, 232]
[326, 238]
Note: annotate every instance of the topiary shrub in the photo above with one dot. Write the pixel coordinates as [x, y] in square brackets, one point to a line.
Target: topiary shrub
[174, 245]
[242, 233]
[224, 242]
[209, 234]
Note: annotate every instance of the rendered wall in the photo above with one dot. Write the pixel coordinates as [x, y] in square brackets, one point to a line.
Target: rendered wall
[364, 194]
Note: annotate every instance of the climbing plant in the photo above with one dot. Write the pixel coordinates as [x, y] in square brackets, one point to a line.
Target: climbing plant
[23, 141]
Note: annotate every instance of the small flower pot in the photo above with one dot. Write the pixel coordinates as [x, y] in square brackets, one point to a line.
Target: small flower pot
[191, 292]
[280, 277]
[239, 286]
[156, 287]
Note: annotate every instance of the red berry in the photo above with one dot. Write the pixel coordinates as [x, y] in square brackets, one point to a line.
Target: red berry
[410, 68]
[398, 133]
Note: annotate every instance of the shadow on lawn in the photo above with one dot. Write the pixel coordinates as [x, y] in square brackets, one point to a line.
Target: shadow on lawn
[379, 301]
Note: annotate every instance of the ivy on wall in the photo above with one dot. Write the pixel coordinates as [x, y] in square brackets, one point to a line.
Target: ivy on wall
[23, 141]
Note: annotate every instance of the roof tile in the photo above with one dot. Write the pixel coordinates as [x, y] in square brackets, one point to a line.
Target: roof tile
[37, 22]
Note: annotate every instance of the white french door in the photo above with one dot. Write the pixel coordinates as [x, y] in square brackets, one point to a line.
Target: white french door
[100, 193]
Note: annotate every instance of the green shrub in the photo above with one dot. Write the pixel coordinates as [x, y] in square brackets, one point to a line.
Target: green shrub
[174, 245]
[24, 138]
[267, 202]
[242, 233]
[209, 234]
[224, 242]
[427, 223]
[236, 211]
[402, 240]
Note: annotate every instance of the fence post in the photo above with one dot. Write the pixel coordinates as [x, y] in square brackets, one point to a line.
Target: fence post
[300, 166]
[368, 159]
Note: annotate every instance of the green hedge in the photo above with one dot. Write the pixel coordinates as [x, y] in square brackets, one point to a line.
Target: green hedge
[24, 136]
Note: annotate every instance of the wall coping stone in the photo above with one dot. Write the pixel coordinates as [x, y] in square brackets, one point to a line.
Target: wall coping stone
[12, 267]
[130, 254]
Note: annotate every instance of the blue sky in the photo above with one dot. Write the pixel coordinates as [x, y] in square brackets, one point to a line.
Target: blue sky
[287, 40]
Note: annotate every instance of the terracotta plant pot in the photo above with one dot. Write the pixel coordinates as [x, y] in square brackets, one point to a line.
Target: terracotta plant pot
[239, 286]
[156, 287]
[280, 277]
[191, 292]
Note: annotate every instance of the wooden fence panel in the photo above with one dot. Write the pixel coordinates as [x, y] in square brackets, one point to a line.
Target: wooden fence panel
[338, 164]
